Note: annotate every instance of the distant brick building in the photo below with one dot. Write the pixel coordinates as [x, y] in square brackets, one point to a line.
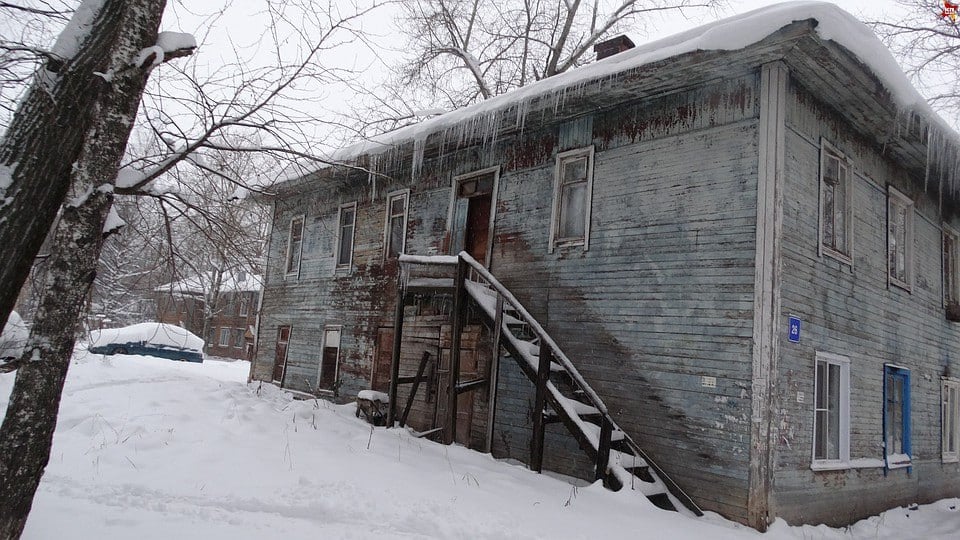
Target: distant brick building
[233, 314]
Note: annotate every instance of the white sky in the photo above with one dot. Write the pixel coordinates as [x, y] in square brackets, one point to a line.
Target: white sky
[240, 30]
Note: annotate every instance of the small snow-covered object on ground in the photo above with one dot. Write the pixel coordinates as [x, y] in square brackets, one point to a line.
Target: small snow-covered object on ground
[150, 339]
[373, 395]
[13, 338]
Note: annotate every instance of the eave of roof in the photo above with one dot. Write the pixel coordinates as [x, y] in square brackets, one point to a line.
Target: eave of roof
[825, 48]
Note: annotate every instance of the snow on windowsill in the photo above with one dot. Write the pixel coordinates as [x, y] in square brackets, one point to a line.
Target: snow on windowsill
[859, 463]
[898, 461]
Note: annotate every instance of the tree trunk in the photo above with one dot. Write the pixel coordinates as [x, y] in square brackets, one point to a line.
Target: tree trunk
[27, 430]
[41, 145]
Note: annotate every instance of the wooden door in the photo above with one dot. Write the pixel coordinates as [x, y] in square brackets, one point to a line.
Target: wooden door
[477, 237]
[380, 378]
[280, 358]
[330, 358]
[470, 228]
[468, 371]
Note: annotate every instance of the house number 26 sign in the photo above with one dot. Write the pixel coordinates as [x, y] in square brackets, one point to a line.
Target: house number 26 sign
[794, 331]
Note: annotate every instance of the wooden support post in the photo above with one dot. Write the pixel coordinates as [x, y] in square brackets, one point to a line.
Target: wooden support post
[456, 333]
[416, 386]
[395, 360]
[603, 449]
[539, 402]
[494, 372]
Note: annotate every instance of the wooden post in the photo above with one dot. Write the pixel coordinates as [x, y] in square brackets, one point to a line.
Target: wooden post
[543, 375]
[603, 449]
[494, 372]
[456, 333]
[395, 360]
[416, 386]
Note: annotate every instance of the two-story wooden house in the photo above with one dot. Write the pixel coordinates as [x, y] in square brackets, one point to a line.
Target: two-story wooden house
[226, 302]
[724, 263]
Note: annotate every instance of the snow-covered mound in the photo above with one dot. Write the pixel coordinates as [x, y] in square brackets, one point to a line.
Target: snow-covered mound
[151, 449]
[161, 334]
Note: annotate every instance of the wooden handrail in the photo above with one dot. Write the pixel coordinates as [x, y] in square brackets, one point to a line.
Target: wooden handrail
[526, 317]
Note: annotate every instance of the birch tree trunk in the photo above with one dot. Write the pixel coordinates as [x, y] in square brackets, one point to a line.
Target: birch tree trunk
[44, 139]
[27, 430]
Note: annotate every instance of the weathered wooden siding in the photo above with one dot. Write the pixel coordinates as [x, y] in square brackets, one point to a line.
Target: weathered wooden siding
[664, 295]
[662, 298]
[852, 312]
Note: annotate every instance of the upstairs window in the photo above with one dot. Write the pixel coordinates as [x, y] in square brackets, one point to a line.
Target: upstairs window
[396, 225]
[951, 267]
[836, 223]
[899, 239]
[347, 222]
[294, 245]
[896, 416]
[573, 187]
[950, 419]
[831, 412]
[244, 304]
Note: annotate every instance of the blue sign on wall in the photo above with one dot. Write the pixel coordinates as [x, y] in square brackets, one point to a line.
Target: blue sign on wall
[794, 335]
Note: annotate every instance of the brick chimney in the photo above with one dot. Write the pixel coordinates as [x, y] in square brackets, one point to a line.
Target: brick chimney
[613, 46]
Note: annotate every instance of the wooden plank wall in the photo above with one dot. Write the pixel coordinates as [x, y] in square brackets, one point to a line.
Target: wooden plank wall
[852, 312]
[663, 297]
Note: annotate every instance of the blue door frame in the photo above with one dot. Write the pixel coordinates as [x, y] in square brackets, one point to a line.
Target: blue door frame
[896, 376]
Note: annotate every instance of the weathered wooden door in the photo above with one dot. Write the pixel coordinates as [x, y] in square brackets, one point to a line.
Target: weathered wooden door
[468, 371]
[472, 216]
[380, 378]
[330, 358]
[280, 358]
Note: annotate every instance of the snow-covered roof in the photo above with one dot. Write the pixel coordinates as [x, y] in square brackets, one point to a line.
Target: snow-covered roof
[201, 283]
[733, 33]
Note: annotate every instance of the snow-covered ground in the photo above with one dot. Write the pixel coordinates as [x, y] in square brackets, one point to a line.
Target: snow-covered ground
[152, 449]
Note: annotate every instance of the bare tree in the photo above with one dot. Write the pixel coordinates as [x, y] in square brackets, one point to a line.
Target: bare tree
[925, 36]
[70, 131]
[462, 51]
[112, 38]
[215, 234]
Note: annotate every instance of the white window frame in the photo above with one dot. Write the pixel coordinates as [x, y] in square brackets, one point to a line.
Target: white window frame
[323, 345]
[454, 196]
[844, 451]
[828, 151]
[238, 332]
[287, 260]
[895, 197]
[244, 309]
[947, 383]
[392, 196]
[353, 236]
[224, 333]
[562, 158]
[951, 268]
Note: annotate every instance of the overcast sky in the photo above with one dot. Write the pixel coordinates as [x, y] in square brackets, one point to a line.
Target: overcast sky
[240, 31]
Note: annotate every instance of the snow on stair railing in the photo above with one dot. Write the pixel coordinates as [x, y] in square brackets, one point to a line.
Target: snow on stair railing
[537, 329]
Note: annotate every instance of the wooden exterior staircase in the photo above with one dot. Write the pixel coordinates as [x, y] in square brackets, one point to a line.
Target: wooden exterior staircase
[562, 394]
